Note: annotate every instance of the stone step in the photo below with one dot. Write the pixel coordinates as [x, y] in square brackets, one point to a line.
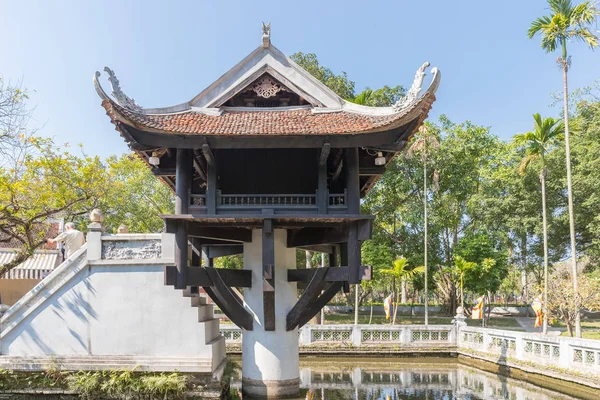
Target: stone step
[211, 330]
[191, 291]
[205, 312]
[198, 301]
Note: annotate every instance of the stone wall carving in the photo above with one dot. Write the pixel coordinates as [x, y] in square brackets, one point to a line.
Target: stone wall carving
[131, 249]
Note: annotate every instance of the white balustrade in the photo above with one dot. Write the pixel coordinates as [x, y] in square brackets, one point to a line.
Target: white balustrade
[581, 355]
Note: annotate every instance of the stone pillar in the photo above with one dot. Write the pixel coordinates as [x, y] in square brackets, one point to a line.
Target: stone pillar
[94, 235]
[270, 358]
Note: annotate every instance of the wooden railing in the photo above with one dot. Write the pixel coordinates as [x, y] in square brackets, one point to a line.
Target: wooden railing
[305, 202]
[271, 200]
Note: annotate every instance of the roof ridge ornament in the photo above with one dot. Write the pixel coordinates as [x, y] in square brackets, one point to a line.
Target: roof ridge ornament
[413, 93]
[266, 35]
[121, 98]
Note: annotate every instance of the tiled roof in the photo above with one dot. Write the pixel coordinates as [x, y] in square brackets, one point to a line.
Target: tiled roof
[35, 267]
[285, 122]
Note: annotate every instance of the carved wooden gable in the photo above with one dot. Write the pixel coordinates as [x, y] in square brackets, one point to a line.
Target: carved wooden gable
[266, 91]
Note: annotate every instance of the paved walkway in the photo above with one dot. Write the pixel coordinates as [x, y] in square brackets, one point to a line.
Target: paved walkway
[528, 325]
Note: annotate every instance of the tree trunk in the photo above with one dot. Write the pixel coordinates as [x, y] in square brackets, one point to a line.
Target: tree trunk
[545, 227]
[371, 314]
[570, 194]
[524, 280]
[403, 301]
[395, 308]
[308, 260]
[426, 302]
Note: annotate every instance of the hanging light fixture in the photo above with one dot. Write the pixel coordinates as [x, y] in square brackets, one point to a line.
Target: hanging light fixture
[380, 160]
[154, 160]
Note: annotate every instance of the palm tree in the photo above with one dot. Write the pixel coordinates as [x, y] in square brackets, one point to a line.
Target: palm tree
[400, 272]
[567, 22]
[420, 143]
[461, 267]
[546, 132]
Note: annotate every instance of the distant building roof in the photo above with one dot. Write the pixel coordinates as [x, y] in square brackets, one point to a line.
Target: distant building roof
[36, 267]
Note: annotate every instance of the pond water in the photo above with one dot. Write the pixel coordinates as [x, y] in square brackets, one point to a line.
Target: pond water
[421, 378]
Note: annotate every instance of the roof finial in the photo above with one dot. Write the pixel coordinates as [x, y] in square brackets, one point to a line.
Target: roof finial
[266, 35]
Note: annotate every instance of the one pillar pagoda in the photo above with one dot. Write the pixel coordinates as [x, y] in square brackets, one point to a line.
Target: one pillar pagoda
[266, 160]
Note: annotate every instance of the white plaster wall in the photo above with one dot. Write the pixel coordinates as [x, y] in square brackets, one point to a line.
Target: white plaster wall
[270, 356]
[114, 310]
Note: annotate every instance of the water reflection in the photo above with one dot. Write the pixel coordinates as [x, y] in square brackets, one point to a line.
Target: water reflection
[361, 379]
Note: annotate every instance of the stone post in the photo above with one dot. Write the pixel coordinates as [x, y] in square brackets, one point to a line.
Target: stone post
[94, 236]
[459, 322]
[270, 360]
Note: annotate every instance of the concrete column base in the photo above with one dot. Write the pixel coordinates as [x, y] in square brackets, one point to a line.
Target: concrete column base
[270, 358]
[271, 389]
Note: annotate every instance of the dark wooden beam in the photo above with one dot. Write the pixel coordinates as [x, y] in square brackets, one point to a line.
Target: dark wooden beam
[228, 301]
[354, 254]
[344, 261]
[164, 171]
[352, 180]
[333, 256]
[339, 274]
[370, 171]
[330, 290]
[211, 184]
[324, 153]
[316, 236]
[198, 276]
[226, 234]
[319, 248]
[208, 154]
[268, 260]
[322, 192]
[312, 292]
[338, 171]
[222, 251]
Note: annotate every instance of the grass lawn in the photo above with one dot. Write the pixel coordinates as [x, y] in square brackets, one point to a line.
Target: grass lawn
[590, 328]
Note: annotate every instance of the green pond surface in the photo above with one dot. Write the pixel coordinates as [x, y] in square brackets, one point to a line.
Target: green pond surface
[421, 378]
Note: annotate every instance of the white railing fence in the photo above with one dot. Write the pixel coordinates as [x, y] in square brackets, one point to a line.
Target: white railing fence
[360, 335]
[555, 352]
[581, 355]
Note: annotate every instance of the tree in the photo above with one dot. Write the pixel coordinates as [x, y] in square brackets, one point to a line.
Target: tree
[386, 96]
[562, 297]
[15, 136]
[400, 272]
[340, 84]
[546, 132]
[421, 142]
[135, 197]
[461, 267]
[50, 184]
[566, 22]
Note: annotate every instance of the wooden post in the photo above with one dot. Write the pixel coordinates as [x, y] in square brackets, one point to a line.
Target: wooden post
[211, 180]
[354, 254]
[268, 261]
[352, 180]
[322, 192]
[182, 189]
[183, 177]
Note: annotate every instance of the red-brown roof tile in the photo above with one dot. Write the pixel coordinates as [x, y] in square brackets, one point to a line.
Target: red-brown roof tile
[287, 122]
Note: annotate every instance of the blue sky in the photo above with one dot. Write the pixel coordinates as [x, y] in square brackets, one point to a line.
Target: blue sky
[164, 53]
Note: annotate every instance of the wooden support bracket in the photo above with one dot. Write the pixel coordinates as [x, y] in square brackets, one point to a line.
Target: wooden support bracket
[312, 292]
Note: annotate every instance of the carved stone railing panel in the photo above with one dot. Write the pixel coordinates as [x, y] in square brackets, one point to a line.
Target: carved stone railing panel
[127, 247]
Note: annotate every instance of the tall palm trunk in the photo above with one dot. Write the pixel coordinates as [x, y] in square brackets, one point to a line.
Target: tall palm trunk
[403, 295]
[545, 226]
[462, 293]
[565, 66]
[426, 302]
